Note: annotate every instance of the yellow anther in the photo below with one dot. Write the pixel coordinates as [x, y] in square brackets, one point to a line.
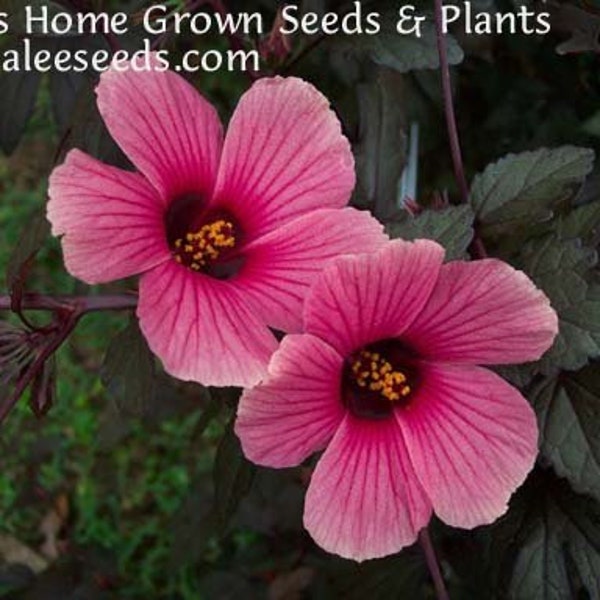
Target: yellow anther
[372, 371]
[196, 249]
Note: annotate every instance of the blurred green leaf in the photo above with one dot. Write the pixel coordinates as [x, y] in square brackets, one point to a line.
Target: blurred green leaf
[562, 270]
[128, 372]
[525, 188]
[568, 410]
[451, 227]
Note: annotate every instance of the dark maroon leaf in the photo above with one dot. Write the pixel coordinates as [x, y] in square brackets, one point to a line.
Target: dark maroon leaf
[128, 371]
[17, 101]
[233, 475]
[88, 132]
[32, 238]
[194, 524]
[43, 389]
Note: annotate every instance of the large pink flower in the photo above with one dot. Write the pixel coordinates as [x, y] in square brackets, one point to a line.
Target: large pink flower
[227, 233]
[385, 379]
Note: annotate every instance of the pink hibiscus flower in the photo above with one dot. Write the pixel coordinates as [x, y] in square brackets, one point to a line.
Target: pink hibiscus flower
[385, 378]
[227, 233]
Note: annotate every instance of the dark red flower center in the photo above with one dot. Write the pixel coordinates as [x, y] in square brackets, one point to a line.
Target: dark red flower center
[199, 249]
[203, 239]
[379, 378]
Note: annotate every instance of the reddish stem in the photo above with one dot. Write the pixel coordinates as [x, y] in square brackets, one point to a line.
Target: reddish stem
[477, 247]
[433, 565]
[82, 304]
[459, 170]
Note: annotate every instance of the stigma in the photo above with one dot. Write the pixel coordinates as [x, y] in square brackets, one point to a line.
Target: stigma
[374, 372]
[197, 250]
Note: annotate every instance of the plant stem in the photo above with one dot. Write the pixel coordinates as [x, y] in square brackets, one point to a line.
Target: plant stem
[83, 304]
[477, 248]
[433, 565]
[459, 170]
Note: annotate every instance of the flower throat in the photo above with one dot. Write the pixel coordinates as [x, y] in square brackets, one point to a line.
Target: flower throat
[379, 379]
[198, 249]
[374, 372]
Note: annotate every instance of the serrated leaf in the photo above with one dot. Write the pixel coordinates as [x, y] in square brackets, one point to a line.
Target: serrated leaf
[401, 52]
[380, 152]
[528, 187]
[519, 375]
[554, 548]
[451, 227]
[561, 269]
[128, 371]
[232, 476]
[568, 410]
[583, 223]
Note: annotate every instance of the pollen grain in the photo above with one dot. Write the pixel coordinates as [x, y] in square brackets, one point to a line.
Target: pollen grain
[374, 372]
[196, 250]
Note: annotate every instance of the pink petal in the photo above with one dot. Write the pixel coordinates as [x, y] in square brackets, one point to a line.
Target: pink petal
[201, 328]
[364, 500]
[362, 299]
[484, 312]
[281, 265]
[472, 439]
[166, 128]
[297, 409]
[284, 155]
[111, 220]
